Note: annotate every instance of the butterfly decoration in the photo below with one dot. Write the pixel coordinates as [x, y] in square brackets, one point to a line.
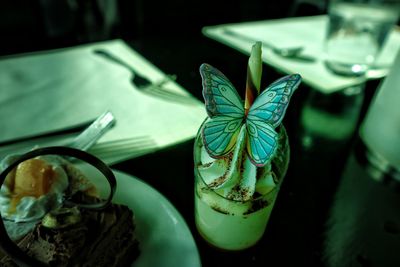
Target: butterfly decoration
[227, 115]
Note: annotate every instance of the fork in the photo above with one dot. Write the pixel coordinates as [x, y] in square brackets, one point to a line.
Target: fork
[293, 53]
[117, 150]
[143, 84]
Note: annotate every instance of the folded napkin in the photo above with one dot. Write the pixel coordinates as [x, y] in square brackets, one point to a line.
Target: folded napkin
[54, 89]
[299, 31]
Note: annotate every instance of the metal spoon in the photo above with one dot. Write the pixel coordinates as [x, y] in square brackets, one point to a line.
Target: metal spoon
[93, 132]
[86, 139]
[291, 52]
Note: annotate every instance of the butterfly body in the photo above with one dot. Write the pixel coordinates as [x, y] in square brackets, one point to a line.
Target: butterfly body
[227, 115]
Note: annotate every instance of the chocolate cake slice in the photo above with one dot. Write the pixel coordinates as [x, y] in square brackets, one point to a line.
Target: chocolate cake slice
[79, 228]
[95, 238]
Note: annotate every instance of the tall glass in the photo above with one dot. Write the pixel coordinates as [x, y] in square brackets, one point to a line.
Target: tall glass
[235, 225]
[356, 33]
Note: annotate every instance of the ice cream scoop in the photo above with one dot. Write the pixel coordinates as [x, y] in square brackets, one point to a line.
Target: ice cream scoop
[32, 188]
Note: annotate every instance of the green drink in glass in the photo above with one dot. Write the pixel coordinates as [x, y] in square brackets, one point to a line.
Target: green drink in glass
[241, 155]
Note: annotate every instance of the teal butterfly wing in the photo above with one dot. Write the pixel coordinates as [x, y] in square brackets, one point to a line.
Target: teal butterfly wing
[220, 134]
[270, 106]
[225, 110]
[265, 115]
[262, 142]
[221, 97]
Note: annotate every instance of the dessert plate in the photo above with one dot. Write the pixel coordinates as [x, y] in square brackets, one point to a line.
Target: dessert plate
[165, 238]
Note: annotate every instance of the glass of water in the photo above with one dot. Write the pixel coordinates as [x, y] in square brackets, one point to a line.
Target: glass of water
[357, 30]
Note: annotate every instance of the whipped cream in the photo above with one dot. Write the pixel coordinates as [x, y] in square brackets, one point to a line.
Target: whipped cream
[31, 206]
[233, 176]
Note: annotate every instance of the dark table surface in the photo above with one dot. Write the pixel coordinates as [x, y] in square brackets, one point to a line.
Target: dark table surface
[296, 234]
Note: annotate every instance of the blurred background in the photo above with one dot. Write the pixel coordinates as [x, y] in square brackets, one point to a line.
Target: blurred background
[27, 25]
[161, 31]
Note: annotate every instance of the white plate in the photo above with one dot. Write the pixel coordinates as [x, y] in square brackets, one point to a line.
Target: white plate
[165, 238]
